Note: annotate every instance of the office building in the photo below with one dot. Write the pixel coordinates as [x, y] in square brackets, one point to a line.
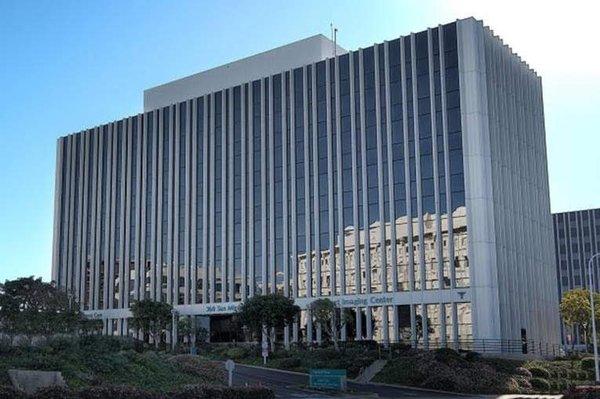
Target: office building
[406, 180]
[577, 239]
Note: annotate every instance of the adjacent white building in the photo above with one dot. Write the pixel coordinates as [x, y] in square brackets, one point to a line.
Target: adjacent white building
[425, 155]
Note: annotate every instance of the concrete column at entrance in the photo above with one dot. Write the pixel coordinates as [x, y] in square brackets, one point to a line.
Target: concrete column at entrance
[295, 328]
[385, 325]
[319, 333]
[344, 333]
[369, 322]
[309, 327]
[286, 337]
[413, 326]
[395, 323]
[358, 324]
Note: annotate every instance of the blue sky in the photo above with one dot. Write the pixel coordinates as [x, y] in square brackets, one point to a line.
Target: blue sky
[69, 65]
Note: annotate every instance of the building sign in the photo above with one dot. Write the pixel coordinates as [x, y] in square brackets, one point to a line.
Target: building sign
[342, 301]
[328, 379]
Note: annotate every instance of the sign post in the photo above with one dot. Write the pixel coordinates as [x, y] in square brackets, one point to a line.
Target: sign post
[328, 379]
[230, 366]
[265, 351]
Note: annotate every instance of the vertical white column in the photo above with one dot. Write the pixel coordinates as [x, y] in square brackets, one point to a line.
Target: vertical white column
[95, 167]
[365, 197]
[120, 251]
[244, 171]
[142, 209]
[263, 189]
[73, 139]
[126, 212]
[113, 221]
[230, 202]
[81, 255]
[315, 171]
[107, 187]
[176, 262]
[172, 205]
[271, 209]
[383, 262]
[356, 258]
[224, 188]
[309, 274]
[286, 234]
[206, 138]
[331, 186]
[158, 195]
[58, 200]
[391, 191]
[139, 239]
[188, 200]
[192, 204]
[155, 201]
[211, 201]
[294, 230]
[251, 273]
[100, 187]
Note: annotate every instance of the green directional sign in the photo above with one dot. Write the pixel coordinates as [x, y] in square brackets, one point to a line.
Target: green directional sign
[328, 379]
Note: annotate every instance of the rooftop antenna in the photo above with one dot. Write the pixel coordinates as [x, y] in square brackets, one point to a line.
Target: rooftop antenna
[334, 38]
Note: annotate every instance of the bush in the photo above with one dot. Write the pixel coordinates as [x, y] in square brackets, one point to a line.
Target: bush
[206, 371]
[105, 343]
[539, 372]
[115, 392]
[540, 384]
[290, 363]
[523, 372]
[257, 392]
[447, 381]
[7, 392]
[62, 343]
[587, 363]
[54, 392]
[472, 356]
[325, 354]
[582, 392]
[446, 355]
[400, 347]
[236, 353]
[212, 392]
[5, 343]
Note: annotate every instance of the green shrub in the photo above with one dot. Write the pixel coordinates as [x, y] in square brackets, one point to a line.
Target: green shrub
[214, 392]
[472, 356]
[7, 392]
[325, 354]
[400, 347]
[539, 372]
[54, 392]
[540, 384]
[62, 343]
[257, 392]
[582, 392]
[105, 343]
[523, 372]
[447, 381]
[587, 363]
[447, 355]
[115, 392]
[5, 343]
[290, 363]
[236, 353]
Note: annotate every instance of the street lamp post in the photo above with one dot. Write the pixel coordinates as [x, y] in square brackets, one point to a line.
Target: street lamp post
[590, 270]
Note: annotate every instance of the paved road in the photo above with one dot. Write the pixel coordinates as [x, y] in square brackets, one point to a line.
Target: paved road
[292, 385]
